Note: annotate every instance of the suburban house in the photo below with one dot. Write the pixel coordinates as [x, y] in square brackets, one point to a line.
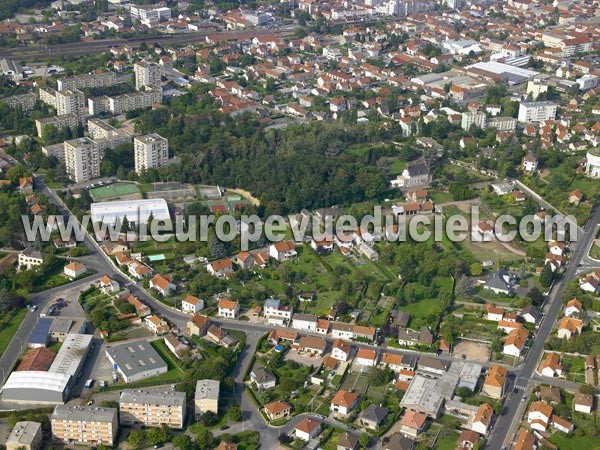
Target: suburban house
[561, 424]
[495, 381]
[550, 366]
[74, 269]
[515, 342]
[366, 357]
[156, 325]
[467, 440]
[568, 327]
[307, 429]
[493, 313]
[162, 285]
[501, 282]
[276, 313]
[347, 441]
[138, 270]
[413, 423]
[229, 309]
[584, 403]
[573, 308]
[174, 344]
[282, 251]
[343, 402]
[278, 410]
[263, 378]
[530, 314]
[373, 417]
[312, 345]
[198, 325]
[483, 419]
[323, 246]
[416, 174]
[192, 305]
[141, 309]
[108, 285]
[245, 260]
[221, 268]
[305, 322]
[525, 440]
[340, 350]
[30, 258]
[433, 365]
[538, 416]
[342, 330]
[364, 333]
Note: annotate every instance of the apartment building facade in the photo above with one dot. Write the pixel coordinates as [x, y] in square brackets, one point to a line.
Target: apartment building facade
[82, 159]
[151, 151]
[88, 425]
[152, 408]
[147, 73]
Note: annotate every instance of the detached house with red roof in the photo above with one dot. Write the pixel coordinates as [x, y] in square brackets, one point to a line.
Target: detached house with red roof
[343, 402]
[192, 305]
[221, 268]
[162, 285]
[229, 309]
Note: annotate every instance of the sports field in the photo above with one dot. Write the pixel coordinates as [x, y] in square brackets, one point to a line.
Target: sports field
[114, 190]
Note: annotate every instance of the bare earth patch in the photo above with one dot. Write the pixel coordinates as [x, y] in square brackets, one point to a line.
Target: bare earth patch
[473, 351]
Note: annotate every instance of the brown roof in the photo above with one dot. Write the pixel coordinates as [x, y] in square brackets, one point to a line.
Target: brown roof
[524, 441]
[517, 338]
[160, 281]
[75, 266]
[342, 345]
[484, 414]
[228, 304]
[284, 246]
[542, 407]
[344, 398]
[308, 425]
[496, 376]
[37, 359]
[191, 300]
[200, 321]
[366, 353]
[584, 399]
[313, 342]
[277, 407]
[392, 359]
[413, 419]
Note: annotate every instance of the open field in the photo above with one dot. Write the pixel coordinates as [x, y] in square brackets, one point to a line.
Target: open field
[474, 351]
[113, 191]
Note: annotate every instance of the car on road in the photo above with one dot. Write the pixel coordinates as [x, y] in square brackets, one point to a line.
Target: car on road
[159, 445]
[524, 398]
[225, 427]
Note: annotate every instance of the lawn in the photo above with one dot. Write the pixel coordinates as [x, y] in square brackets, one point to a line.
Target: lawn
[573, 442]
[9, 328]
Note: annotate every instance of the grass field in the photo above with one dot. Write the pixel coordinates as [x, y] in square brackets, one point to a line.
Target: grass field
[114, 190]
[9, 329]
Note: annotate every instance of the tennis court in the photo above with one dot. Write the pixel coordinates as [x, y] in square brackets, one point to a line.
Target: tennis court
[114, 190]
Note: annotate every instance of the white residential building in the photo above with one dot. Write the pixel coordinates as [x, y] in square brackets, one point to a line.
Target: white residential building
[147, 73]
[537, 111]
[151, 151]
[82, 159]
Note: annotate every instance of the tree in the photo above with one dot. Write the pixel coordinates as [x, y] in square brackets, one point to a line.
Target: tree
[547, 276]
[475, 269]
[378, 377]
[135, 438]
[364, 439]
[586, 389]
[204, 438]
[208, 418]
[183, 442]
[154, 435]
[235, 413]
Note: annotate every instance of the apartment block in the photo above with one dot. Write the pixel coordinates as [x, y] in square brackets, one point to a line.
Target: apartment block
[147, 73]
[127, 102]
[26, 102]
[25, 436]
[48, 96]
[88, 425]
[472, 118]
[71, 101]
[150, 13]
[152, 408]
[92, 80]
[58, 122]
[82, 159]
[537, 111]
[150, 151]
[106, 136]
[207, 397]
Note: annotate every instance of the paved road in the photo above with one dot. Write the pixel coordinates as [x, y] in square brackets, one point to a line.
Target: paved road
[507, 423]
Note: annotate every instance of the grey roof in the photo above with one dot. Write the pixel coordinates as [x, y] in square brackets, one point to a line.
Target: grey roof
[533, 311]
[33, 253]
[71, 354]
[163, 398]
[135, 357]
[399, 442]
[207, 389]
[83, 413]
[410, 360]
[401, 318]
[426, 362]
[305, 317]
[347, 440]
[272, 303]
[425, 336]
[501, 279]
[39, 334]
[375, 413]
[418, 169]
[61, 325]
[24, 433]
[422, 395]
[262, 375]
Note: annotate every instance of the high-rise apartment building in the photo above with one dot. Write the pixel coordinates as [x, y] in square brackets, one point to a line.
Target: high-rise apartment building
[71, 101]
[82, 159]
[207, 397]
[147, 73]
[537, 111]
[151, 151]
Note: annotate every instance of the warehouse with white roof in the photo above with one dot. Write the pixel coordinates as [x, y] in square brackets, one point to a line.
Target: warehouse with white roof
[136, 211]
